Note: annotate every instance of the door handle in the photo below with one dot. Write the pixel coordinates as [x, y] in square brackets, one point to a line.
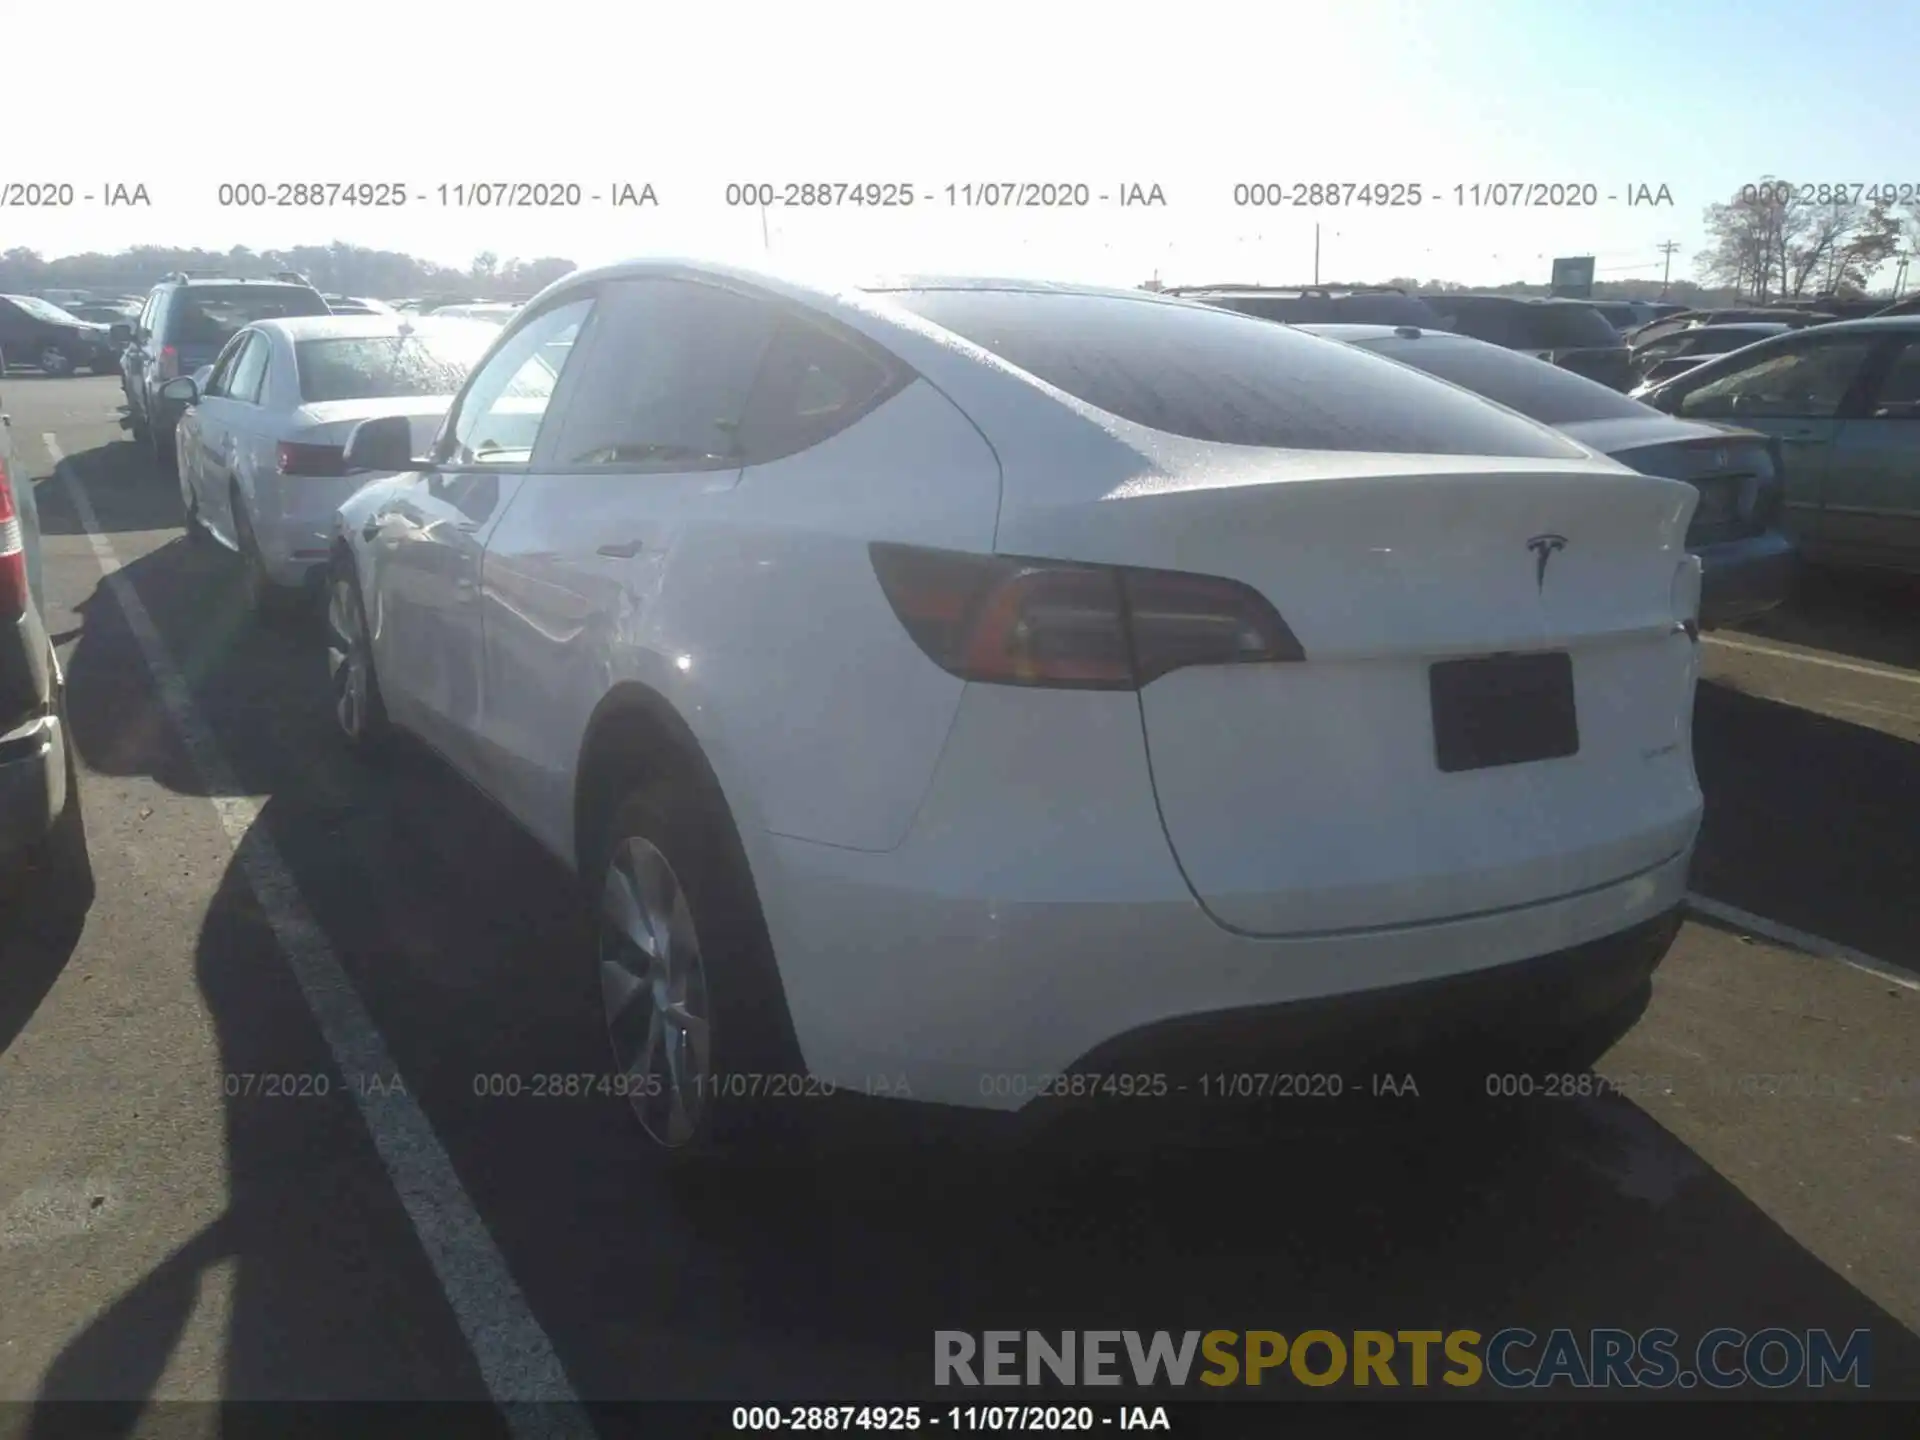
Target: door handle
[623, 552]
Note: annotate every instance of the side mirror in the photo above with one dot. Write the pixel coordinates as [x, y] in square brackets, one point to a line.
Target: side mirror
[181, 390]
[120, 334]
[385, 443]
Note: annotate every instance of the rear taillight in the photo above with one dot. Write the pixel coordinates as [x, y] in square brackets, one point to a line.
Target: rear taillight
[1005, 621]
[169, 362]
[13, 553]
[310, 459]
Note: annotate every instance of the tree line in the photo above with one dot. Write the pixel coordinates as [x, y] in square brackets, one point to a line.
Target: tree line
[1778, 241]
[337, 269]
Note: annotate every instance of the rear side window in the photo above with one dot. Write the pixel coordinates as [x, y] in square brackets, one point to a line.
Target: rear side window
[1543, 392]
[812, 384]
[1491, 323]
[666, 383]
[249, 370]
[1209, 375]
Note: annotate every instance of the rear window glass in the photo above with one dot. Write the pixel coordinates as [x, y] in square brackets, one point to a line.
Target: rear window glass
[1554, 327]
[1207, 374]
[1380, 309]
[1538, 390]
[212, 315]
[398, 365]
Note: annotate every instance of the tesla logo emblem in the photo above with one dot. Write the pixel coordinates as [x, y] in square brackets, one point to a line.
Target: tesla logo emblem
[1544, 548]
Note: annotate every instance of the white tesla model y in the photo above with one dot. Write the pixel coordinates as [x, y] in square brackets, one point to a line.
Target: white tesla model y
[999, 692]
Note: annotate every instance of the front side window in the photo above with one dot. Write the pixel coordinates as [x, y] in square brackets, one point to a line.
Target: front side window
[669, 378]
[498, 418]
[1804, 382]
[1898, 397]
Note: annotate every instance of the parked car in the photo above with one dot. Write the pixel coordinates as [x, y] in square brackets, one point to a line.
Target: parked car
[1305, 304]
[186, 321]
[968, 682]
[1676, 352]
[1844, 399]
[35, 778]
[1749, 564]
[1567, 333]
[262, 434]
[357, 305]
[1624, 315]
[104, 312]
[39, 333]
[493, 312]
[1792, 319]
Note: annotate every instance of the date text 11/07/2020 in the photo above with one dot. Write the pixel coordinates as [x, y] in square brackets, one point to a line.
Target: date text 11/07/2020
[1478, 195]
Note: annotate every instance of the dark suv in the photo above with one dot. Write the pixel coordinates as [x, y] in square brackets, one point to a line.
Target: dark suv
[186, 322]
[1317, 304]
[1568, 333]
[39, 333]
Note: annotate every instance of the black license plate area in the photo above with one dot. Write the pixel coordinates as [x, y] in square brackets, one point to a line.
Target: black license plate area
[1503, 710]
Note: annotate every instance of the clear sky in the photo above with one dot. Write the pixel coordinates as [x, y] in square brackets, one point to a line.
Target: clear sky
[1694, 95]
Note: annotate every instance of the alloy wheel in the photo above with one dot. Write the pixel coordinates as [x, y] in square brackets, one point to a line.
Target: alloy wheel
[54, 361]
[653, 988]
[347, 663]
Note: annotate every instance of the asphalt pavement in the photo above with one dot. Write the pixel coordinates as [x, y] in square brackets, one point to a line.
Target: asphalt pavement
[246, 1150]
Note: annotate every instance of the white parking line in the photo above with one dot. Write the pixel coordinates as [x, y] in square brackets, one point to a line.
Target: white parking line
[1882, 672]
[1801, 940]
[522, 1373]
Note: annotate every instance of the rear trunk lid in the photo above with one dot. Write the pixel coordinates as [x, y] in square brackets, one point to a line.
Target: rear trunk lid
[1736, 472]
[330, 422]
[1335, 793]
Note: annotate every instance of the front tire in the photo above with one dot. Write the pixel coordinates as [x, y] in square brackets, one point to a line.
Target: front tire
[690, 992]
[358, 709]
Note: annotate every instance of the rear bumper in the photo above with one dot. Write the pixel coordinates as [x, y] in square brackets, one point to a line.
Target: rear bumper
[33, 784]
[1741, 579]
[295, 523]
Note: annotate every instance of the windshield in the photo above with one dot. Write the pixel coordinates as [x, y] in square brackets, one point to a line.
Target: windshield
[1547, 393]
[45, 310]
[1207, 374]
[211, 315]
[427, 362]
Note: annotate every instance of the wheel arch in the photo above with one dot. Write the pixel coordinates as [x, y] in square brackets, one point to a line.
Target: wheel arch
[634, 734]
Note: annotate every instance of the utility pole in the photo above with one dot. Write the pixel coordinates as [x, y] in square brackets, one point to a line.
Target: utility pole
[766, 244]
[1316, 254]
[1667, 248]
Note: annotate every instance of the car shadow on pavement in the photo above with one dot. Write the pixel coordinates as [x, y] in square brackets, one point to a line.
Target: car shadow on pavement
[1867, 616]
[1811, 821]
[127, 490]
[43, 909]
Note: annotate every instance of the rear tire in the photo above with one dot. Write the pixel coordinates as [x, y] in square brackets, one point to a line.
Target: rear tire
[268, 601]
[696, 1019]
[55, 362]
